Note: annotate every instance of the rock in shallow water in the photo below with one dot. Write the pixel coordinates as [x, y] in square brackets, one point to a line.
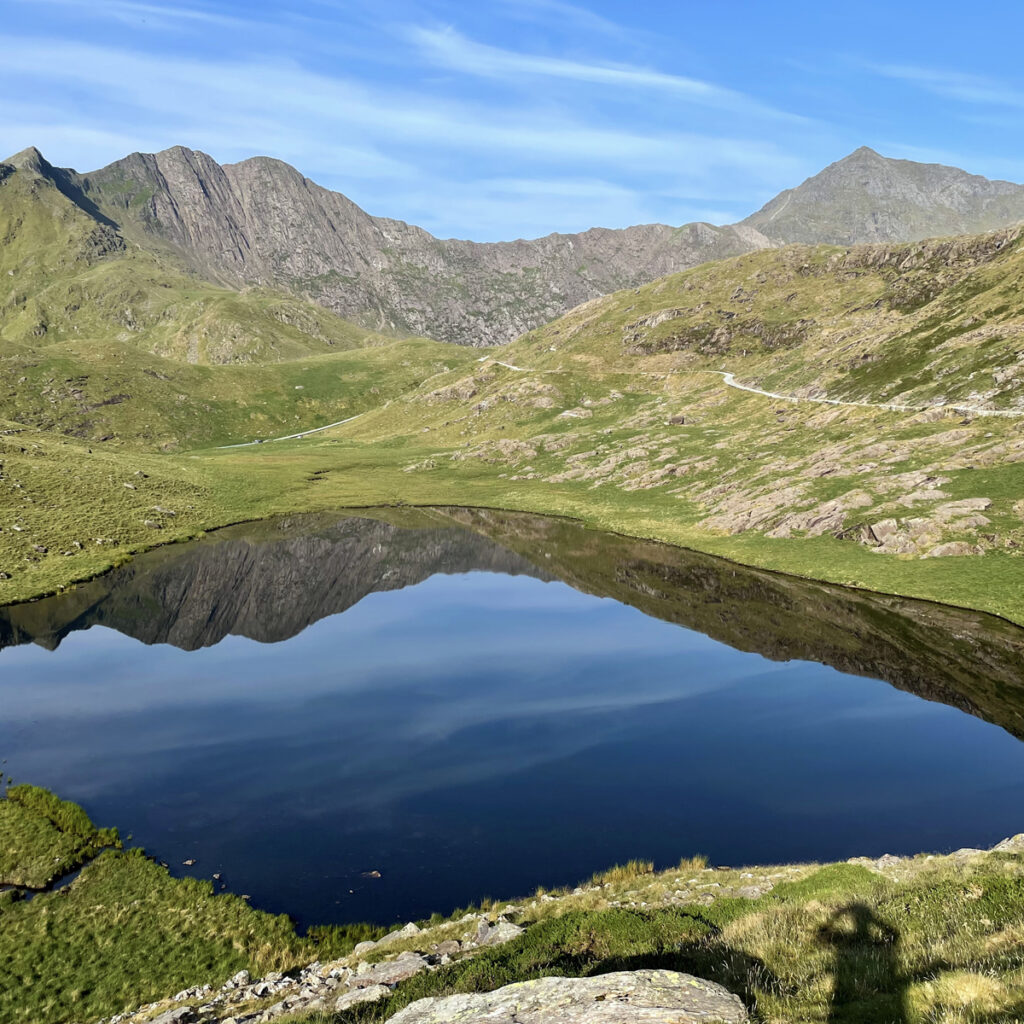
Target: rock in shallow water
[627, 997]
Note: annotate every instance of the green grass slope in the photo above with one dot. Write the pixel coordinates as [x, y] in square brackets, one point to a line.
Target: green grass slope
[934, 322]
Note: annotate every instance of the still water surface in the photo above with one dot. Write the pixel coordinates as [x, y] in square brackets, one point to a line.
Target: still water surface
[472, 725]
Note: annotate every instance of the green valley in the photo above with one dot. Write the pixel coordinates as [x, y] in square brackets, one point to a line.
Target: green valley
[124, 373]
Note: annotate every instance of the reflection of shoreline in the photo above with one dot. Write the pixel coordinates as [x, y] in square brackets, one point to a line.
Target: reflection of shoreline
[269, 581]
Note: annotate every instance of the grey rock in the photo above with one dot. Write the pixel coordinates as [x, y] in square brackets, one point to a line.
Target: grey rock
[362, 995]
[628, 997]
[488, 934]
[446, 948]
[179, 1015]
[408, 931]
[391, 972]
[1015, 844]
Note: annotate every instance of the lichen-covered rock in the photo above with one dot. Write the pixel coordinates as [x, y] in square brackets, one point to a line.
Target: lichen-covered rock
[626, 997]
[362, 995]
[391, 972]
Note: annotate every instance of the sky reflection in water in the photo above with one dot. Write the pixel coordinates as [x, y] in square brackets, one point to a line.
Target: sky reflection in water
[481, 735]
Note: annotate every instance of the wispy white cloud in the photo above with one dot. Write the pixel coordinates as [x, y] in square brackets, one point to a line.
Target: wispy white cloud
[967, 88]
[153, 15]
[366, 111]
[572, 15]
[450, 49]
[246, 104]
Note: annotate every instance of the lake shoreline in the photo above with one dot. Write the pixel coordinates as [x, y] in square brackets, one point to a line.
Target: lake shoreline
[713, 921]
[710, 550]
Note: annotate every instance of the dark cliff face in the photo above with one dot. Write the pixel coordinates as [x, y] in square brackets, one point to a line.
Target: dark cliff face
[269, 581]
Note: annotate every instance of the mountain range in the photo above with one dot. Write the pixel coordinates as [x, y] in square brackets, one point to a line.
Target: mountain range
[262, 223]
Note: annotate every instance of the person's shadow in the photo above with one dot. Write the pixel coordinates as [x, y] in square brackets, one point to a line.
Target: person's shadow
[866, 968]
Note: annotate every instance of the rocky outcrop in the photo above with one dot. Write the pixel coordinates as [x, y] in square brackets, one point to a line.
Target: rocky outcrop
[625, 997]
[368, 975]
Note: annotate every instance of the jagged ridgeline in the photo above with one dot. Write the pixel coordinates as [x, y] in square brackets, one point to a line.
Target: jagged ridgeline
[260, 222]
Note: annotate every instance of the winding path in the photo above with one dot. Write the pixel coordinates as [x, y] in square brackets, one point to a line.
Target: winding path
[301, 433]
[729, 379]
[974, 410]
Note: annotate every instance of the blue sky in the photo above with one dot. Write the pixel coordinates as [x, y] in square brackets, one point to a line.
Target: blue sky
[513, 118]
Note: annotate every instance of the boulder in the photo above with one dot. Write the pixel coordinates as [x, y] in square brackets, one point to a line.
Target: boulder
[391, 972]
[627, 997]
[362, 995]
[179, 1015]
[488, 934]
[952, 548]
[408, 932]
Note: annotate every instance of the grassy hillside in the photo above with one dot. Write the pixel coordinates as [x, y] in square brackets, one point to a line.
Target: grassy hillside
[100, 339]
[936, 322]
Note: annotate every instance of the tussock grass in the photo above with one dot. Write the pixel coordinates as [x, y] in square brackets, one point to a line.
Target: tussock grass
[624, 872]
[43, 837]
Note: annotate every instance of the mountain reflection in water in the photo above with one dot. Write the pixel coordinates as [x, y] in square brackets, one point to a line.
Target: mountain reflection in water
[486, 733]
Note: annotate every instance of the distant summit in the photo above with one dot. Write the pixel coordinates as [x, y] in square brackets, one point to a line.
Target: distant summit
[866, 197]
[262, 222]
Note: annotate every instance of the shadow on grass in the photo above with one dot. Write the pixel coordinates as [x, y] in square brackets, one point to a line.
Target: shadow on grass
[867, 974]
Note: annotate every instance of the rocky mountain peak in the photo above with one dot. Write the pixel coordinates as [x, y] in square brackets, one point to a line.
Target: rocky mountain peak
[867, 197]
[29, 159]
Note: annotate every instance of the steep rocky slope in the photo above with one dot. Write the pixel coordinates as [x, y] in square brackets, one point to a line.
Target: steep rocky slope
[262, 222]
